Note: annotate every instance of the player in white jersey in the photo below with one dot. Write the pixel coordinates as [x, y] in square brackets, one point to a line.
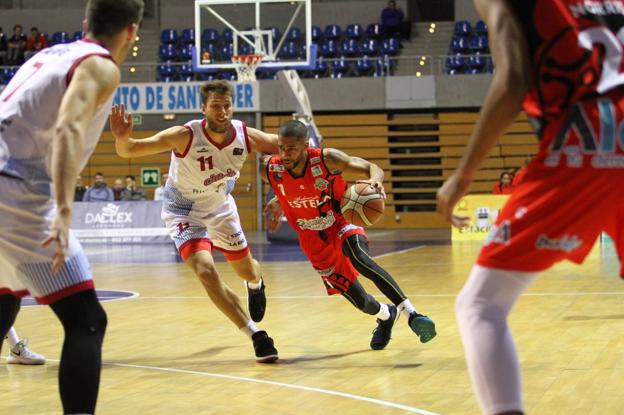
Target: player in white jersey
[51, 116]
[198, 207]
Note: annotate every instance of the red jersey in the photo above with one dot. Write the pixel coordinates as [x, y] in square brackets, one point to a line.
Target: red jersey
[310, 202]
[576, 94]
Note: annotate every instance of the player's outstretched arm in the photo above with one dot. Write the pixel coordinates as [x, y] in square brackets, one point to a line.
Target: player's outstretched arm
[262, 142]
[93, 82]
[172, 139]
[502, 104]
[337, 160]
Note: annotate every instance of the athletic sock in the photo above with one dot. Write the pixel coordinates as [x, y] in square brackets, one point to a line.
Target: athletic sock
[250, 329]
[383, 313]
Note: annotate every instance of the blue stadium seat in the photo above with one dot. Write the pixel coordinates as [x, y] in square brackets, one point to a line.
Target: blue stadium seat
[452, 71]
[186, 69]
[354, 31]
[390, 46]
[188, 36]
[455, 62]
[207, 76]
[210, 36]
[329, 48]
[60, 37]
[319, 70]
[77, 36]
[227, 51]
[374, 31]
[476, 62]
[294, 34]
[186, 52]
[364, 66]
[349, 47]
[289, 51]
[276, 34]
[317, 34]
[462, 28]
[245, 48]
[472, 71]
[228, 76]
[339, 68]
[168, 36]
[166, 71]
[7, 73]
[481, 28]
[228, 35]
[370, 47]
[479, 44]
[332, 31]
[168, 53]
[459, 44]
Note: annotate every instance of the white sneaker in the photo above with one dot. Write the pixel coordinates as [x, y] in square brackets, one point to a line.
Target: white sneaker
[22, 355]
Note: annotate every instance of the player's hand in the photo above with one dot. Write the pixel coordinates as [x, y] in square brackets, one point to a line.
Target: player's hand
[273, 213]
[59, 235]
[453, 189]
[377, 185]
[120, 123]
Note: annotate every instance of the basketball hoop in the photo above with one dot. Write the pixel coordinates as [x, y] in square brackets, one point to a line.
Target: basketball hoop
[245, 66]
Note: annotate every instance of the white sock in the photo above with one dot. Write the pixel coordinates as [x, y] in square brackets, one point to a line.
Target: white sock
[481, 309]
[406, 308]
[250, 329]
[383, 313]
[12, 338]
[255, 286]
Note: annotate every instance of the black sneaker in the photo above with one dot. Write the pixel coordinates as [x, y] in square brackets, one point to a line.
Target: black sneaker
[423, 326]
[263, 346]
[256, 302]
[383, 332]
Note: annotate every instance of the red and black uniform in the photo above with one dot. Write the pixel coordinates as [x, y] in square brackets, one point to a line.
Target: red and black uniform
[311, 203]
[572, 189]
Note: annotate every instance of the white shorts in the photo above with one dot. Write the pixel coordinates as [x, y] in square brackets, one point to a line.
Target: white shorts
[192, 231]
[26, 215]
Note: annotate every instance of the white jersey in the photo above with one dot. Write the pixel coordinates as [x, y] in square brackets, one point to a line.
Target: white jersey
[202, 178]
[29, 107]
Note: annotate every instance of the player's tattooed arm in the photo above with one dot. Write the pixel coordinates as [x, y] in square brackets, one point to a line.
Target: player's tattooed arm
[339, 161]
[177, 139]
[262, 142]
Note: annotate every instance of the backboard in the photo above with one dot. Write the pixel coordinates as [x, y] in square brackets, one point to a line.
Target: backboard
[279, 30]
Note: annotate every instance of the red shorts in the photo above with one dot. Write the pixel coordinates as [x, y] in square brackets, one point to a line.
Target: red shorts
[326, 255]
[556, 214]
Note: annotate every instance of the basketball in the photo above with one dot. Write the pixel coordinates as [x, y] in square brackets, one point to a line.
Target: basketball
[362, 204]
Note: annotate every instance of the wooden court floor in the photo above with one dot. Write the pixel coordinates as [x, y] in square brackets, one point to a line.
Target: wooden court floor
[168, 351]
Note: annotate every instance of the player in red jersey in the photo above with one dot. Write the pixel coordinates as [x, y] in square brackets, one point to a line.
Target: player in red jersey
[308, 185]
[560, 61]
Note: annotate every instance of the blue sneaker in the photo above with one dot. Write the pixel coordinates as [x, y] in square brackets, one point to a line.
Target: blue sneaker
[423, 326]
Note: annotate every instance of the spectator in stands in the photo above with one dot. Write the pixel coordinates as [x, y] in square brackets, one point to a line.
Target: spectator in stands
[3, 47]
[132, 192]
[118, 189]
[80, 190]
[16, 46]
[392, 22]
[503, 186]
[99, 192]
[35, 42]
[159, 193]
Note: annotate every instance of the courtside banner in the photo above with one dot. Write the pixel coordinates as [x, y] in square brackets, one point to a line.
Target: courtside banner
[179, 97]
[119, 222]
[482, 211]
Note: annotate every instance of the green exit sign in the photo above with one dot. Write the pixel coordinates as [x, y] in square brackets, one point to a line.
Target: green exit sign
[150, 177]
[137, 119]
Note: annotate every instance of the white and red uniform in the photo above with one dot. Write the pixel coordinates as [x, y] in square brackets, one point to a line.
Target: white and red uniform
[198, 207]
[29, 107]
[311, 203]
[571, 191]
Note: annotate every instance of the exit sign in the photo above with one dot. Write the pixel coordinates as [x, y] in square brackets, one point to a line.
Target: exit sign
[137, 119]
[150, 177]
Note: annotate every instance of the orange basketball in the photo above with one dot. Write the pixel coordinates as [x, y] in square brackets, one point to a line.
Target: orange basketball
[362, 204]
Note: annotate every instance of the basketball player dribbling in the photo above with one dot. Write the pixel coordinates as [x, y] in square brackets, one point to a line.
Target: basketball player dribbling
[308, 185]
[560, 61]
[198, 207]
[52, 114]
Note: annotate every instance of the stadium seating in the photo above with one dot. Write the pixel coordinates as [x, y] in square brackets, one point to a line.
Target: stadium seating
[467, 49]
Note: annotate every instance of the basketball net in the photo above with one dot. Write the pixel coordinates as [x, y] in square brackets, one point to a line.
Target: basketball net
[246, 66]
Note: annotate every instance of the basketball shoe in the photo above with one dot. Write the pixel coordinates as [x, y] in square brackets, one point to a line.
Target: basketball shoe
[423, 326]
[383, 332]
[22, 355]
[263, 346]
[256, 302]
